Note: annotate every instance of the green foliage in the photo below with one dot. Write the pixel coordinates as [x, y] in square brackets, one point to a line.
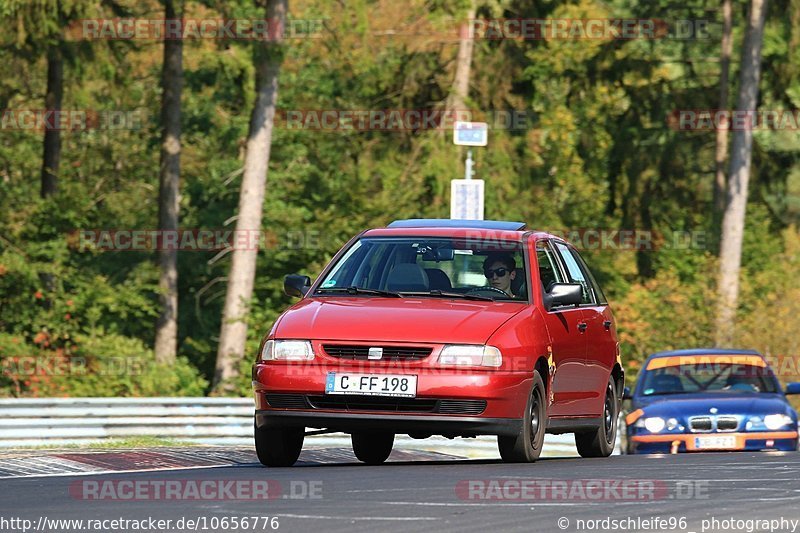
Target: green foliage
[103, 365]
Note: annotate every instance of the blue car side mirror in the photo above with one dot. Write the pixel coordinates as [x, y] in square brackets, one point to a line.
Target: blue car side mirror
[626, 393]
[793, 388]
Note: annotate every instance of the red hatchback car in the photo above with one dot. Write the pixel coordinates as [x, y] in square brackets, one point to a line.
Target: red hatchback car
[442, 327]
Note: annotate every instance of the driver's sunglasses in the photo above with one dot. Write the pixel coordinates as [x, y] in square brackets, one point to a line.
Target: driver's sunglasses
[490, 273]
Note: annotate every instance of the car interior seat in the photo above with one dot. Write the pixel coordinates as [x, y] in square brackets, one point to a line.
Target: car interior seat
[518, 285]
[667, 383]
[438, 280]
[408, 277]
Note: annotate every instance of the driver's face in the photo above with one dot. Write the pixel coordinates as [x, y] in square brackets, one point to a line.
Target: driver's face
[496, 280]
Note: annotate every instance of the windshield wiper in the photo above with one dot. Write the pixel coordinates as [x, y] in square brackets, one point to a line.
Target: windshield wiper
[359, 290]
[444, 294]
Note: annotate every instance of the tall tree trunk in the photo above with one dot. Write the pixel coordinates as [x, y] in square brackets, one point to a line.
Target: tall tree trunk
[460, 90]
[233, 334]
[166, 343]
[720, 182]
[52, 137]
[741, 152]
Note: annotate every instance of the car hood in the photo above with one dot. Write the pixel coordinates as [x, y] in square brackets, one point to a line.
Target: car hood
[407, 319]
[725, 403]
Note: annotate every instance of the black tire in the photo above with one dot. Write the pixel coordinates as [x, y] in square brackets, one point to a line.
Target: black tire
[527, 446]
[279, 446]
[600, 442]
[372, 447]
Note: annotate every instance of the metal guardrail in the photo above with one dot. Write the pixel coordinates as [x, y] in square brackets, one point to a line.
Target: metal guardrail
[58, 421]
[64, 421]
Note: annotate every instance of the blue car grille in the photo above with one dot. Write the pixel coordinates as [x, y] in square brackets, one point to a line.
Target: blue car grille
[708, 424]
[727, 423]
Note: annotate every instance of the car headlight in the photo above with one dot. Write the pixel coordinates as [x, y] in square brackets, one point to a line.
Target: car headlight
[774, 422]
[654, 424]
[470, 355]
[287, 351]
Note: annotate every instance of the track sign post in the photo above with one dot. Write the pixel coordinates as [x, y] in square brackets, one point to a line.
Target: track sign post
[466, 199]
[466, 196]
[470, 134]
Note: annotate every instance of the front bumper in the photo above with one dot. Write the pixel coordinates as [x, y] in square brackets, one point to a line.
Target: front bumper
[685, 442]
[413, 424]
[504, 393]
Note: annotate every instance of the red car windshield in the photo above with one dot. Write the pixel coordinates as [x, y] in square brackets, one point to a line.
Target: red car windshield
[431, 267]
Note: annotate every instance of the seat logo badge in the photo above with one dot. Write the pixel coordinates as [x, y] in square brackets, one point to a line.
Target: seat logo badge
[375, 353]
[713, 410]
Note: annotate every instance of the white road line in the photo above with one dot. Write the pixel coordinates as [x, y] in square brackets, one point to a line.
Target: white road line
[351, 518]
[527, 504]
[415, 489]
[106, 472]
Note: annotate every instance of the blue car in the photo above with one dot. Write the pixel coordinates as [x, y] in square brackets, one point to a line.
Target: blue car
[709, 400]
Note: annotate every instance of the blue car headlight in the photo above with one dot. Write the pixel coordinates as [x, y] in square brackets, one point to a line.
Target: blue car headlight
[656, 424]
[771, 422]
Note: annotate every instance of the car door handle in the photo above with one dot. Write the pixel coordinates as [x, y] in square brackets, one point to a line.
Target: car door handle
[607, 325]
[582, 326]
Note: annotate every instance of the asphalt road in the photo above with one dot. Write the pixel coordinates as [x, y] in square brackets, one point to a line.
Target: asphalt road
[437, 496]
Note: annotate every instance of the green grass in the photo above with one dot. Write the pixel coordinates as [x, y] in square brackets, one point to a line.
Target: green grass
[112, 444]
[138, 442]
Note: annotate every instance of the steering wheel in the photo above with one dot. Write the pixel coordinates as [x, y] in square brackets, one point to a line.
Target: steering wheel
[489, 289]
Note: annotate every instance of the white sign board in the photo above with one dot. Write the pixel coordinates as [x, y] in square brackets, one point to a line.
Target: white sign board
[466, 199]
[471, 133]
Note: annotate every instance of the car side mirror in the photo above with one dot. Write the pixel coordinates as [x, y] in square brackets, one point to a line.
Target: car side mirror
[563, 294]
[626, 393]
[296, 285]
[792, 388]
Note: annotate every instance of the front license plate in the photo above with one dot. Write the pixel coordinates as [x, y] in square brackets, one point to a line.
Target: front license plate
[371, 384]
[715, 443]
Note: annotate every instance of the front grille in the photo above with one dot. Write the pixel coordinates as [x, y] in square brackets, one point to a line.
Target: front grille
[727, 423]
[287, 401]
[700, 423]
[461, 407]
[371, 403]
[344, 402]
[390, 353]
[706, 424]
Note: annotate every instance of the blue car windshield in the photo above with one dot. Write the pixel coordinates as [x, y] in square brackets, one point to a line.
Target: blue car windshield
[711, 377]
[431, 267]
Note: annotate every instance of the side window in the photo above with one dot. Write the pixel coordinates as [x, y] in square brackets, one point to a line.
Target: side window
[576, 275]
[598, 293]
[549, 272]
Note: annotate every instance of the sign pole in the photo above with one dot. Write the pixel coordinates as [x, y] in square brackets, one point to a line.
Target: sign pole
[466, 196]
